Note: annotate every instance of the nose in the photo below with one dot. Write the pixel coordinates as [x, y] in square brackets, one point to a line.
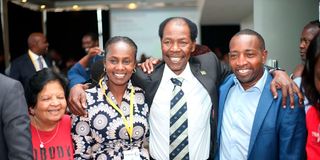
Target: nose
[55, 101]
[302, 45]
[175, 47]
[120, 66]
[242, 60]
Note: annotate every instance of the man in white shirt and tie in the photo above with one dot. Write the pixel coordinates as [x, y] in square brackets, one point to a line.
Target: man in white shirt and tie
[34, 60]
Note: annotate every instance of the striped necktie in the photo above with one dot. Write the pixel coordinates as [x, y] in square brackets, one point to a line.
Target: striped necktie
[40, 62]
[178, 123]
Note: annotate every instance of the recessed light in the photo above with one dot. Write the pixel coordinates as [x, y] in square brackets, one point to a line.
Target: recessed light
[75, 7]
[42, 6]
[23, 1]
[132, 6]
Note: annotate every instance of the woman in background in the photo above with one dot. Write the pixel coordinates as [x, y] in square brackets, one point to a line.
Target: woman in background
[116, 125]
[50, 127]
[311, 85]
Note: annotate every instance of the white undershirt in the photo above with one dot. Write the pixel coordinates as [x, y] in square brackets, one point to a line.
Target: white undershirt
[199, 111]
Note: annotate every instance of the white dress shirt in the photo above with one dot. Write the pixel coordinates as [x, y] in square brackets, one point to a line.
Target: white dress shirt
[238, 116]
[34, 58]
[198, 110]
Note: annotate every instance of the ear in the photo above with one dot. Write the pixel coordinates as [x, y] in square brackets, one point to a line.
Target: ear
[193, 46]
[264, 56]
[31, 111]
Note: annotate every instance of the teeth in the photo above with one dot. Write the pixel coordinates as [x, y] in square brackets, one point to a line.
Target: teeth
[243, 70]
[119, 75]
[175, 60]
[56, 110]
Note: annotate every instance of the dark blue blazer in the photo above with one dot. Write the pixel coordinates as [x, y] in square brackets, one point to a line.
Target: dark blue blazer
[277, 133]
[22, 69]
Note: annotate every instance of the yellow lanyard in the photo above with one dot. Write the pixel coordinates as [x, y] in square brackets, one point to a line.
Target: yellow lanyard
[128, 125]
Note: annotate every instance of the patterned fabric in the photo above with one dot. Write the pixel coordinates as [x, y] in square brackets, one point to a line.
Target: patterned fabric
[102, 135]
[178, 123]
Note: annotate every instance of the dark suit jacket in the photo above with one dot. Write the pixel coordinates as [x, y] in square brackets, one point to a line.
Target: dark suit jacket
[15, 137]
[277, 133]
[22, 69]
[206, 68]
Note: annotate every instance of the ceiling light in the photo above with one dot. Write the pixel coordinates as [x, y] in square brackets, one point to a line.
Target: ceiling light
[75, 7]
[23, 1]
[132, 6]
[42, 6]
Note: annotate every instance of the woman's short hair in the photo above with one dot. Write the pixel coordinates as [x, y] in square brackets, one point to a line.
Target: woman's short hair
[39, 80]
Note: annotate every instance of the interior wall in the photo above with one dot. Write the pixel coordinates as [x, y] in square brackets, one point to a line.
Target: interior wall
[281, 23]
[142, 26]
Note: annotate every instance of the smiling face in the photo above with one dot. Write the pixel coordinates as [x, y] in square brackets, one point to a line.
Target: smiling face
[247, 59]
[176, 45]
[51, 104]
[120, 63]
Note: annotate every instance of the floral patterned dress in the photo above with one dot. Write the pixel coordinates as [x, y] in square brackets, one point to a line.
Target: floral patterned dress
[102, 134]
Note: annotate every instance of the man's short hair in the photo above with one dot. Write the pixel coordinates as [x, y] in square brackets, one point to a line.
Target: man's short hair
[252, 33]
[192, 27]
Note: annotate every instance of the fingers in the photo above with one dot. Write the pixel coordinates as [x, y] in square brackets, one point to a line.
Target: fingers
[77, 100]
[284, 90]
[148, 65]
[94, 51]
[291, 94]
[297, 90]
[274, 90]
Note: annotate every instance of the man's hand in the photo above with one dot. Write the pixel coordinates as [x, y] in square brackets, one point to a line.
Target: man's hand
[288, 87]
[77, 99]
[148, 65]
[94, 51]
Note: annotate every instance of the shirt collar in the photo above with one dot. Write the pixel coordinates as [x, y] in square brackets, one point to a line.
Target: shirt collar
[259, 85]
[33, 55]
[168, 73]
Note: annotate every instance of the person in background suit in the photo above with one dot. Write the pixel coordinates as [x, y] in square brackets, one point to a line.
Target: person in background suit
[258, 128]
[202, 75]
[15, 137]
[25, 66]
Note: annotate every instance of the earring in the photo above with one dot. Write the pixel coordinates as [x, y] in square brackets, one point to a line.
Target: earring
[105, 70]
[134, 70]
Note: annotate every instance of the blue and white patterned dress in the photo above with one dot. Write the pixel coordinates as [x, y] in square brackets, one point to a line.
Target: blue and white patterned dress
[102, 135]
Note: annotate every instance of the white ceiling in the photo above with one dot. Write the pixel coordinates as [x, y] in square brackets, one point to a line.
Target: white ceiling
[213, 12]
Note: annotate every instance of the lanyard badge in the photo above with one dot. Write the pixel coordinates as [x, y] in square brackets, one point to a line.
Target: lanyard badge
[128, 124]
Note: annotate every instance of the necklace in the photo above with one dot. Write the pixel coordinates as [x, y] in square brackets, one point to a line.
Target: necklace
[43, 143]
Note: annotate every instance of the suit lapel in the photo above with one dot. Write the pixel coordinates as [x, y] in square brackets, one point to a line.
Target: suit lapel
[29, 63]
[264, 105]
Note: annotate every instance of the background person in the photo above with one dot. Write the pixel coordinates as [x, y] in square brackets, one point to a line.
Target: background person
[50, 127]
[80, 72]
[117, 116]
[311, 86]
[25, 66]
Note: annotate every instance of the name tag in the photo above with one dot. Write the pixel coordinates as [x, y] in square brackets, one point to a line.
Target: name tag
[132, 154]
